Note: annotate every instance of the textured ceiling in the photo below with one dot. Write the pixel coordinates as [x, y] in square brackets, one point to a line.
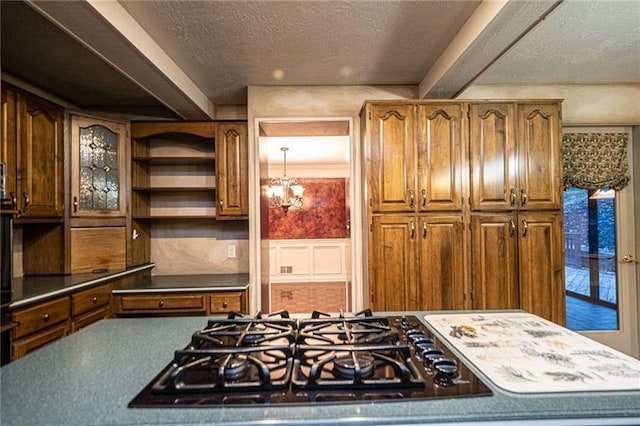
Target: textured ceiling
[172, 59]
[581, 42]
[224, 46]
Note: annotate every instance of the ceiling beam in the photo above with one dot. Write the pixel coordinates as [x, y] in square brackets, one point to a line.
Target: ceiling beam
[489, 33]
[107, 30]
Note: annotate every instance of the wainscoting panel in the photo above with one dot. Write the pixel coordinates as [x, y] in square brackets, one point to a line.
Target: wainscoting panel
[321, 260]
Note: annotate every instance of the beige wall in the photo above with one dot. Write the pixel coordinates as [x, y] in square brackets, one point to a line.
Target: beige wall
[583, 104]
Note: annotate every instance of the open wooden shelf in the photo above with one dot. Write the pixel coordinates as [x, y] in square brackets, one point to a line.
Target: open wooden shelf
[175, 217]
[175, 160]
[174, 188]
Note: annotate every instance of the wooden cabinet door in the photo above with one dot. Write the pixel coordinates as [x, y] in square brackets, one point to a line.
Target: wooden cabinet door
[393, 266]
[231, 171]
[393, 157]
[492, 150]
[98, 167]
[539, 156]
[9, 147]
[439, 157]
[494, 275]
[541, 271]
[40, 173]
[441, 254]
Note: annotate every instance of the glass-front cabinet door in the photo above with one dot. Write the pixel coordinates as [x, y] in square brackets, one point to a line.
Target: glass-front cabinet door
[98, 167]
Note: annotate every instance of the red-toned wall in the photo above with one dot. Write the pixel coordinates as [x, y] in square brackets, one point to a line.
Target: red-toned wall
[324, 212]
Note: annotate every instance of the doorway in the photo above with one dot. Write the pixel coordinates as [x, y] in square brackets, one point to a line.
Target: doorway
[600, 279]
[306, 251]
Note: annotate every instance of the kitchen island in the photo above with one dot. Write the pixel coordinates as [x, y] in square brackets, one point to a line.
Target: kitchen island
[89, 378]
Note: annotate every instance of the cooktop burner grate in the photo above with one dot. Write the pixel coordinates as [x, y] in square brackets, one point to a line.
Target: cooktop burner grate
[378, 366]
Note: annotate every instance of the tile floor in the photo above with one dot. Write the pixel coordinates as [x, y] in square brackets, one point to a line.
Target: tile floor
[577, 280]
[583, 315]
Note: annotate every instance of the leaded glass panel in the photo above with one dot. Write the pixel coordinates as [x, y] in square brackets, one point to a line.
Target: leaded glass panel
[99, 186]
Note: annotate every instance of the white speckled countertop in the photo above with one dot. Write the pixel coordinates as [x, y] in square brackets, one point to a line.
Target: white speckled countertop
[89, 378]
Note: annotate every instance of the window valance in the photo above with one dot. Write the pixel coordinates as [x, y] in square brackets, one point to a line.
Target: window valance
[595, 160]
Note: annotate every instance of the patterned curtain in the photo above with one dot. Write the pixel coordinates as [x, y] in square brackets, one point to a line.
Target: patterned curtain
[595, 160]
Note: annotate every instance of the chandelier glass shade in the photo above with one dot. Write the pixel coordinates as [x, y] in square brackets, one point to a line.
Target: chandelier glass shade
[284, 191]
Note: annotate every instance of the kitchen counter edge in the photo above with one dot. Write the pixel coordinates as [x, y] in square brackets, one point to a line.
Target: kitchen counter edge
[61, 285]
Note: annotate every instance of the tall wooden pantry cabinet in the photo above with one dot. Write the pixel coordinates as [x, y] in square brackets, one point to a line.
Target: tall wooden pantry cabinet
[464, 205]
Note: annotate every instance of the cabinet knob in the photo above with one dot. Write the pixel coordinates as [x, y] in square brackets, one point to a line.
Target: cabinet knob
[75, 204]
[412, 198]
[225, 304]
[160, 304]
[45, 317]
[94, 300]
[512, 193]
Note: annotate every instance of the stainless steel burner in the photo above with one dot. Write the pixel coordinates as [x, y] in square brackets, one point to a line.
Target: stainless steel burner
[236, 367]
[359, 364]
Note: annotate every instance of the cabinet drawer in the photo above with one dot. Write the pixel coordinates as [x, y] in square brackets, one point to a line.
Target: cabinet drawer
[87, 300]
[21, 347]
[90, 317]
[162, 303]
[41, 316]
[227, 302]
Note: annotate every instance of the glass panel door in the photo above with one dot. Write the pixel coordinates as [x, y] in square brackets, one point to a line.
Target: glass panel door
[590, 259]
[600, 265]
[98, 167]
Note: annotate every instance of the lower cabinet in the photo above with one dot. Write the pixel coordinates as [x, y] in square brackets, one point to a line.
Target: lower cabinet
[417, 262]
[46, 322]
[517, 263]
[25, 345]
[89, 306]
[224, 302]
[39, 325]
[191, 303]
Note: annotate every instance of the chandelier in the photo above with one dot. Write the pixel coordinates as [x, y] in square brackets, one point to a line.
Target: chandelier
[284, 191]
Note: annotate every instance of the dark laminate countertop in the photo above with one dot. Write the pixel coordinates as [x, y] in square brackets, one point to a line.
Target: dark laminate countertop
[34, 289]
[186, 283]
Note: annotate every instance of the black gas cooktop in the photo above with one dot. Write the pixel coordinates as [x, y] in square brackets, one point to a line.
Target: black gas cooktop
[321, 359]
